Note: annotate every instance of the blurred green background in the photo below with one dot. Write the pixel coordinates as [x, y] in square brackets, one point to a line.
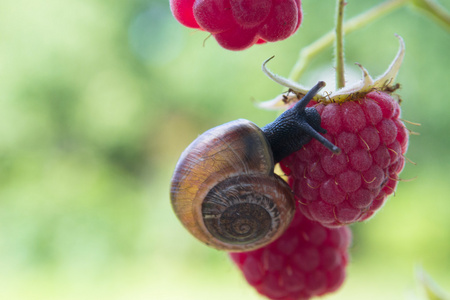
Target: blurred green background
[99, 98]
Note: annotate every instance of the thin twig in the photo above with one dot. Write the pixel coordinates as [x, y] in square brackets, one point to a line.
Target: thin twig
[309, 52]
[340, 74]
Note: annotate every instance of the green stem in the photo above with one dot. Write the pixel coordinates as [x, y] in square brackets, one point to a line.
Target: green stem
[340, 74]
[432, 9]
[307, 53]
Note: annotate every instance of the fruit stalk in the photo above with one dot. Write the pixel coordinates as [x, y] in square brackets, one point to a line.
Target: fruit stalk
[435, 11]
[340, 75]
[309, 52]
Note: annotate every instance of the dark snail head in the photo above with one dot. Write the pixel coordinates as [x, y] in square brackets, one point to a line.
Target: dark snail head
[296, 127]
[224, 190]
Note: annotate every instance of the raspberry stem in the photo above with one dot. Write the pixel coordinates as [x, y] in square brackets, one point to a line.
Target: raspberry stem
[430, 7]
[340, 75]
[435, 11]
[309, 52]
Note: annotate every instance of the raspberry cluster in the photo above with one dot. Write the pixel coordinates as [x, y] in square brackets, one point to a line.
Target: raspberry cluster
[307, 260]
[351, 186]
[239, 24]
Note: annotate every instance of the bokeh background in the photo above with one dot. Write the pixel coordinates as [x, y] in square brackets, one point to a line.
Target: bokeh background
[99, 98]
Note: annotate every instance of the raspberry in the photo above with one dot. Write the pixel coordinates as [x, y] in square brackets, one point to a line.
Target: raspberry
[307, 260]
[351, 186]
[363, 120]
[239, 24]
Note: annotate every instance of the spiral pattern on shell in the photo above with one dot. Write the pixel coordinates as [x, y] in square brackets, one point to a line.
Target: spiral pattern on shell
[235, 213]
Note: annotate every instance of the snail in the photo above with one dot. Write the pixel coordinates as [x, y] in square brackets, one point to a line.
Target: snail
[224, 189]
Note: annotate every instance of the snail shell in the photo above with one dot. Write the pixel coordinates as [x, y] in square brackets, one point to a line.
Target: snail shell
[225, 192]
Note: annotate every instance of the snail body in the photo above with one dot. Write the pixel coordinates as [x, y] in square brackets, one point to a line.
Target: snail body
[224, 189]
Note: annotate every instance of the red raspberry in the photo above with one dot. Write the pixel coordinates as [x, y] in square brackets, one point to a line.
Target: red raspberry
[307, 260]
[239, 24]
[351, 186]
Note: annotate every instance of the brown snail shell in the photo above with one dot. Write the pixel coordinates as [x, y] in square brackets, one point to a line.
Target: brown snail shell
[225, 192]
